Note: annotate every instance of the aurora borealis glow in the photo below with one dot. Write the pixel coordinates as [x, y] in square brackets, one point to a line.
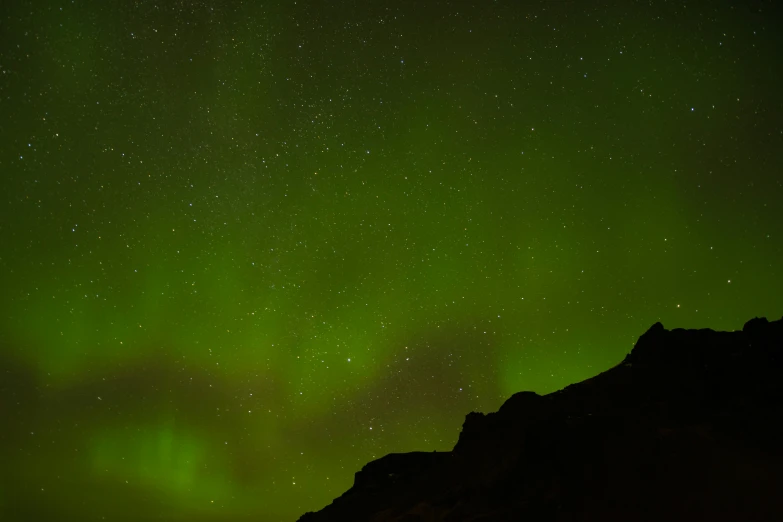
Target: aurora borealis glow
[246, 248]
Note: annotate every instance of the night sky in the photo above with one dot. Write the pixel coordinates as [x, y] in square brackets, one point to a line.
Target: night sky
[246, 248]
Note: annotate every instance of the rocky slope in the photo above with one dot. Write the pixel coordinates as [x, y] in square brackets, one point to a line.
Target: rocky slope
[687, 427]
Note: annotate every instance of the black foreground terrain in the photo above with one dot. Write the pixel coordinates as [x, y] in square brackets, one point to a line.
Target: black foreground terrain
[687, 427]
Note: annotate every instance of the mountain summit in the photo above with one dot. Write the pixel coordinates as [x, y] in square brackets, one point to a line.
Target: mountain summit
[686, 427]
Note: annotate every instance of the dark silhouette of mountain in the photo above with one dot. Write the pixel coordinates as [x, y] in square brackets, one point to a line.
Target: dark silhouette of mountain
[687, 427]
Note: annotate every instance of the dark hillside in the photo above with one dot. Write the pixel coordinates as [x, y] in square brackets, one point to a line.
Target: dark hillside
[687, 427]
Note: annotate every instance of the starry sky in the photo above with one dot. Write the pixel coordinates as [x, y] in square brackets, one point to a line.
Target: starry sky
[248, 247]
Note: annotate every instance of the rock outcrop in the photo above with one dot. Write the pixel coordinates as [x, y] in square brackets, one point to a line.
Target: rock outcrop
[686, 427]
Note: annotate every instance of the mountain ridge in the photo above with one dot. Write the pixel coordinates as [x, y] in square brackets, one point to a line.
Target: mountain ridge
[685, 427]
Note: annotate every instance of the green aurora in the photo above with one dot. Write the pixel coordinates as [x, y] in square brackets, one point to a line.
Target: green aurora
[246, 248]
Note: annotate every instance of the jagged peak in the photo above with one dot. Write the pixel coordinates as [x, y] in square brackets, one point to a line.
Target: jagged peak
[656, 328]
[756, 324]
